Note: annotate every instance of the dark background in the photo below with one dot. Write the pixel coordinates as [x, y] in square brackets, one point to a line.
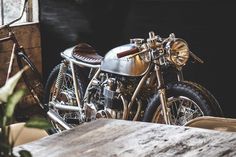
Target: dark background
[207, 25]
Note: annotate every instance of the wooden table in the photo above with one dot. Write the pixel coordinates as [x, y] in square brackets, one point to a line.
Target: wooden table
[113, 138]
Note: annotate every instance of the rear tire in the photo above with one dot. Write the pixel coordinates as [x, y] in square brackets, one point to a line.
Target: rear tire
[49, 88]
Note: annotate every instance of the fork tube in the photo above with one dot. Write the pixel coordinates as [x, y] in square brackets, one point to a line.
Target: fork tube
[11, 62]
[162, 93]
[75, 83]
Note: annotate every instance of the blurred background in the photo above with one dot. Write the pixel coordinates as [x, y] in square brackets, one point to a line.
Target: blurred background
[207, 25]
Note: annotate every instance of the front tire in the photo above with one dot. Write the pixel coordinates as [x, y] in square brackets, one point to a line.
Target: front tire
[185, 100]
[210, 96]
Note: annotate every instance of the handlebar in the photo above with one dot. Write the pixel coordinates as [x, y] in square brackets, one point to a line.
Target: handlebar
[152, 43]
[128, 52]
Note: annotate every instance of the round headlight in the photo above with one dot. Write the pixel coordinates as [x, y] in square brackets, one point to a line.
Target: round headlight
[178, 52]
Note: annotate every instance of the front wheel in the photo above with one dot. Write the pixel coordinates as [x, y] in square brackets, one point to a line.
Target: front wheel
[185, 102]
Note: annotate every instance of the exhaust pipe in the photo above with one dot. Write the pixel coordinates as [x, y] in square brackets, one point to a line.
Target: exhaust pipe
[56, 118]
[64, 107]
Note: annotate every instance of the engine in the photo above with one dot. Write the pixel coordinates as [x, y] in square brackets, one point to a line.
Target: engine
[110, 94]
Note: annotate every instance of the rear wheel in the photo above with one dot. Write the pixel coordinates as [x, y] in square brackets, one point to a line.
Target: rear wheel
[185, 102]
[65, 96]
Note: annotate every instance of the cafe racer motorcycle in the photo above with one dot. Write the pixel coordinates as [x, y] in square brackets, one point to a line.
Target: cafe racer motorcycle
[131, 82]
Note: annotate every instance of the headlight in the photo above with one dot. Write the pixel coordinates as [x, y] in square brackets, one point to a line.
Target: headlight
[178, 52]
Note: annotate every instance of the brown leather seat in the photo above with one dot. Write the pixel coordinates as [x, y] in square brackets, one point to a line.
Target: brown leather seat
[86, 53]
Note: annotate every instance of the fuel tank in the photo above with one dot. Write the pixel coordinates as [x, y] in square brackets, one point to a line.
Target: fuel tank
[126, 66]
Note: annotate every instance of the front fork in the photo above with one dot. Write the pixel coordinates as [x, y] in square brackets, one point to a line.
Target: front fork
[162, 93]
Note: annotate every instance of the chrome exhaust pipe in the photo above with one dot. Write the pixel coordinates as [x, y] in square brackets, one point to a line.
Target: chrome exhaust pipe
[64, 107]
[56, 118]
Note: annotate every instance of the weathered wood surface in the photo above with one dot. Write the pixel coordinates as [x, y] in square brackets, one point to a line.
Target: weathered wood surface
[133, 139]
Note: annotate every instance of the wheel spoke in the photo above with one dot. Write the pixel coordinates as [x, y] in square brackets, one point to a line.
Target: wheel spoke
[192, 114]
[182, 110]
[179, 109]
[177, 112]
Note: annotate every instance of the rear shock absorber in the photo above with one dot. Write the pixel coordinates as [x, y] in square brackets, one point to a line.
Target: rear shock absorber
[60, 78]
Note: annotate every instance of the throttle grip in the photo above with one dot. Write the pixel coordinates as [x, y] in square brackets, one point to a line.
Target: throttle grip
[128, 52]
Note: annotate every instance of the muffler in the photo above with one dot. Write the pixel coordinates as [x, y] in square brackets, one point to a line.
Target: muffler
[64, 107]
[56, 118]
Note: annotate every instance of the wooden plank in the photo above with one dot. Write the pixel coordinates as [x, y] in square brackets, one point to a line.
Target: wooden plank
[106, 137]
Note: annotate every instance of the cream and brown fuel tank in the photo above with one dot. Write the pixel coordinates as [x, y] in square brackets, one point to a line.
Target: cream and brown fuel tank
[126, 66]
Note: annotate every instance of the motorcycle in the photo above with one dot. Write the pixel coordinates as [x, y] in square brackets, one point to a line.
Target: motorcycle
[131, 82]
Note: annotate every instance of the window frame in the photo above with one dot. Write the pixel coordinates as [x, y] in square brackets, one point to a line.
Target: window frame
[31, 11]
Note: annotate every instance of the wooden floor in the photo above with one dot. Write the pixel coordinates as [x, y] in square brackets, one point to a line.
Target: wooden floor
[113, 138]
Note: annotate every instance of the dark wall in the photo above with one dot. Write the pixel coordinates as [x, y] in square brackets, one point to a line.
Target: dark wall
[208, 26]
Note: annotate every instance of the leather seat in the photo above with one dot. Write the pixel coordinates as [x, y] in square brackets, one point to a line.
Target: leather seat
[21, 134]
[86, 53]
